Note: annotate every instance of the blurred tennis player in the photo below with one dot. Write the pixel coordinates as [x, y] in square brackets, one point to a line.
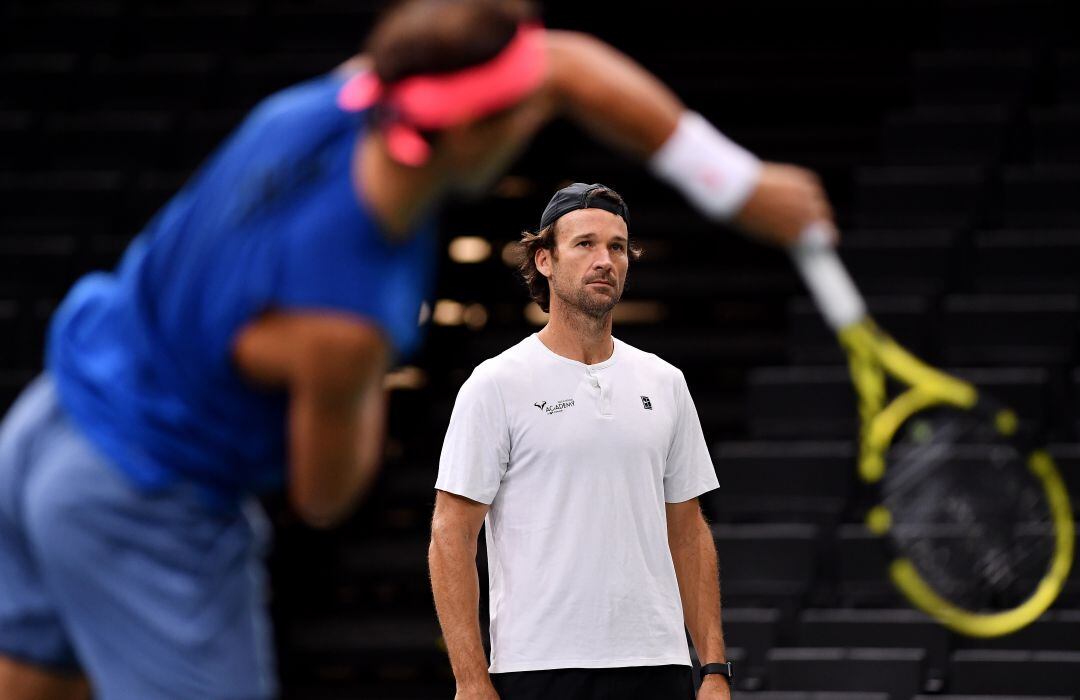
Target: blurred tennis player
[241, 344]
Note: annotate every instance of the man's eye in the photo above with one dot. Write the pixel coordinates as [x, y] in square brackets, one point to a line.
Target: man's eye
[618, 247]
[585, 243]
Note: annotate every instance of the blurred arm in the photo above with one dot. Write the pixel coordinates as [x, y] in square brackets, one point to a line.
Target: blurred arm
[625, 106]
[333, 367]
[456, 587]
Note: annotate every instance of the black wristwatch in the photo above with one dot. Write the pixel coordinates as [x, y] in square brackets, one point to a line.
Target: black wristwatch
[724, 669]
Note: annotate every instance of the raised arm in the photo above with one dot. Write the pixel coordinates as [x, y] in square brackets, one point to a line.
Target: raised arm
[456, 586]
[624, 105]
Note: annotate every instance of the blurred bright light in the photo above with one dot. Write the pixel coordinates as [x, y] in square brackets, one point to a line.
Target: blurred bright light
[407, 377]
[629, 312]
[511, 254]
[469, 249]
[425, 314]
[449, 313]
[475, 316]
[639, 312]
[534, 315]
[513, 186]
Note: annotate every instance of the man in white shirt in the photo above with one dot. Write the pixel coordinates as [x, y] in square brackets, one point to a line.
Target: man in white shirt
[586, 457]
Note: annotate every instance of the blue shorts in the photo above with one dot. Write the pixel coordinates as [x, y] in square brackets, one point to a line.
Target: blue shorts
[151, 595]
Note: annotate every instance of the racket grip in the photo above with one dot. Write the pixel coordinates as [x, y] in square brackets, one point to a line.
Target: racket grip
[825, 276]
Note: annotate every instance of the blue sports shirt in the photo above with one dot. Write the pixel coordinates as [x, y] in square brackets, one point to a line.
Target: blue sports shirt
[142, 356]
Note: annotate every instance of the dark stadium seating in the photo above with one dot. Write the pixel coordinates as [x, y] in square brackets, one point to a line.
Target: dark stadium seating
[1028, 260]
[1009, 330]
[909, 319]
[862, 563]
[891, 261]
[1038, 195]
[1055, 134]
[1056, 629]
[901, 628]
[898, 672]
[791, 481]
[794, 695]
[755, 631]
[945, 135]
[948, 136]
[819, 401]
[972, 76]
[781, 578]
[32, 266]
[998, 672]
[112, 140]
[918, 196]
[1068, 75]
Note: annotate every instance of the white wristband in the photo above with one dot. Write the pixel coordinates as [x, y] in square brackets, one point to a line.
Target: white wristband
[716, 174]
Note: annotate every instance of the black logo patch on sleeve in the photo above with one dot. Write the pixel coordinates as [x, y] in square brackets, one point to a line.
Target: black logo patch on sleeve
[646, 403]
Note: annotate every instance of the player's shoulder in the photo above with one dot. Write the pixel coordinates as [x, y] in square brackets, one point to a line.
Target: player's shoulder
[507, 365]
[646, 361]
[310, 95]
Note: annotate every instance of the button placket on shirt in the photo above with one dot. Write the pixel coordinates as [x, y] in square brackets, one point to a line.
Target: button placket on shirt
[605, 392]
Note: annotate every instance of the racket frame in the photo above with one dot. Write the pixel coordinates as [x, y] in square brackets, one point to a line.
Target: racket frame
[873, 356]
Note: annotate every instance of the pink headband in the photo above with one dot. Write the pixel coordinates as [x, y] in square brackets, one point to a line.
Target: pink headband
[441, 101]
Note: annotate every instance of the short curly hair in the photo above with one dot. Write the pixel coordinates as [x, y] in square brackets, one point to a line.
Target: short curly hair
[530, 243]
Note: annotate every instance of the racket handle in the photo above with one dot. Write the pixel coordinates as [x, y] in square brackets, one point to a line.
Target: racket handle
[830, 284]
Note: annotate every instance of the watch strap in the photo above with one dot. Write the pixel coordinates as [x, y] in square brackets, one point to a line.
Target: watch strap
[724, 669]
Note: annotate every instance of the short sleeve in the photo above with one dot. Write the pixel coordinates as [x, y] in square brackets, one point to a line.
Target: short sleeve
[689, 471]
[345, 270]
[476, 449]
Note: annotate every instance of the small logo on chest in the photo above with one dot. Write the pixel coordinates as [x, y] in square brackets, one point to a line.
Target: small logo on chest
[557, 407]
[646, 403]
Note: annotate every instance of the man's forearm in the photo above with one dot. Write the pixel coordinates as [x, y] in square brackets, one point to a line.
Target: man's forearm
[456, 588]
[699, 585]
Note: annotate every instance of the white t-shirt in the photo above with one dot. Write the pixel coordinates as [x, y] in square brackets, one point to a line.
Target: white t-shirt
[577, 462]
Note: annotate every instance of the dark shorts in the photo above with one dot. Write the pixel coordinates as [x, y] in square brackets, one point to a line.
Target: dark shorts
[652, 682]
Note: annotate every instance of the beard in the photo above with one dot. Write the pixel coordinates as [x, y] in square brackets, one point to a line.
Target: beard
[584, 301]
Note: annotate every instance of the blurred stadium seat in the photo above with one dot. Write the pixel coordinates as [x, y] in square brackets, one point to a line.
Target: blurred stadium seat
[948, 136]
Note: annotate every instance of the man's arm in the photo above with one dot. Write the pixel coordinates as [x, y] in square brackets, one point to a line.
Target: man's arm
[625, 106]
[456, 587]
[694, 554]
[333, 367]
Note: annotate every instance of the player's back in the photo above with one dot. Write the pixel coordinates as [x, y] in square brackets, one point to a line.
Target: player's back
[142, 356]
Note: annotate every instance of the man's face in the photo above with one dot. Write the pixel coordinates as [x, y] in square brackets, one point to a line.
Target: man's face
[588, 269]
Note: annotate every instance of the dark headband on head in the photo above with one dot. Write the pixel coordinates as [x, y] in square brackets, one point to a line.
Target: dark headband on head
[579, 196]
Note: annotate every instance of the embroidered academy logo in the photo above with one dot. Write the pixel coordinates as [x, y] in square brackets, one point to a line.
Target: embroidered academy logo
[646, 403]
[557, 407]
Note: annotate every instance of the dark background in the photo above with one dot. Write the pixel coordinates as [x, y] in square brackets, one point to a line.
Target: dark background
[948, 136]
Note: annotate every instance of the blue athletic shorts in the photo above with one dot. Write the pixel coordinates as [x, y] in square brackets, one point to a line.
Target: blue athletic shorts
[151, 595]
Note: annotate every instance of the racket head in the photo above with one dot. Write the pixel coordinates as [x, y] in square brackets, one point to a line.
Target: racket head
[978, 523]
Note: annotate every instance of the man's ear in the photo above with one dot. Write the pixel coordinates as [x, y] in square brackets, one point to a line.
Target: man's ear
[542, 259]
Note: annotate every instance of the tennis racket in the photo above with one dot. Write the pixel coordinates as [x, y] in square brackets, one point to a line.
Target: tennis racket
[974, 515]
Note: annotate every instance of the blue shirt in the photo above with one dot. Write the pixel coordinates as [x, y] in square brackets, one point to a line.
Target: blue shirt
[142, 356]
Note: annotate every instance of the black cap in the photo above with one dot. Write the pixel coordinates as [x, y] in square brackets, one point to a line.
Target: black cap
[580, 196]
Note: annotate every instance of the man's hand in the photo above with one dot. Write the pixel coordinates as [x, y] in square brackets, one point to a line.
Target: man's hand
[786, 200]
[480, 691]
[714, 687]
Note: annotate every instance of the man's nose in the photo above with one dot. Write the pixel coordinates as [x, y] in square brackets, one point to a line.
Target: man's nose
[603, 260]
